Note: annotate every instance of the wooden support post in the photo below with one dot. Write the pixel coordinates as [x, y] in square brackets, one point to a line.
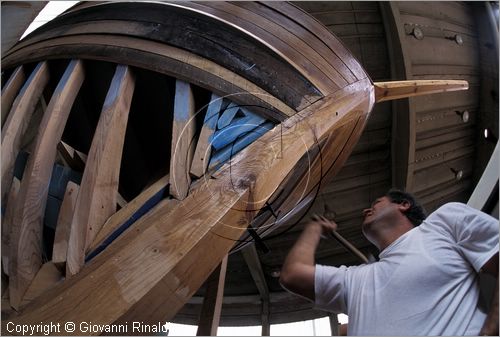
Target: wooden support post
[182, 137]
[63, 227]
[203, 147]
[26, 239]
[253, 262]
[334, 324]
[96, 200]
[10, 91]
[266, 325]
[212, 302]
[18, 120]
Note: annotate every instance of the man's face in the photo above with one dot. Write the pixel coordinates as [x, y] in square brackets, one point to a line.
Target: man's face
[380, 211]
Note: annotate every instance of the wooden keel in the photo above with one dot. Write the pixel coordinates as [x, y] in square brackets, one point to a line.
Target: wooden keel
[96, 200]
[26, 239]
[150, 275]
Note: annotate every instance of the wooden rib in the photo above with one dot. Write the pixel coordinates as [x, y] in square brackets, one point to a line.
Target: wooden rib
[182, 137]
[236, 129]
[132, 211]
[207, 72]
[150, 274]
[227, 116]
[386, 91]
[26, 250]
[7, 222]
[10, 90]
[46, 278]
[322, 32]
[18, 120]
[96, 200]
[63, 227]
[286, 45]
[202, 153]
[212, 301]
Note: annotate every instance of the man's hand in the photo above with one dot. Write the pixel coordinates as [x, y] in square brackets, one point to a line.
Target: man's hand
[326, 225]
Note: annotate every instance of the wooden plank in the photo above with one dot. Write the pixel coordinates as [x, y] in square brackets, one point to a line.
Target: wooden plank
[222, 156]
[132, 211]
[168, 60]
[96, 200]
[63, 227]
[183, 131]
[237, 128]
[139, 274]
[227, 115]
[387, 91]
[10, 90]
[7, 222]
[71, 157]
[26, 250]
[212, 302]
[203, 148]
[334, 324]
[18, 120]
[265, 321]
[253, 262]
[46, 278]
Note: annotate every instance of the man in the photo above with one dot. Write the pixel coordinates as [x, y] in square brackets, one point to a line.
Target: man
[426, 281]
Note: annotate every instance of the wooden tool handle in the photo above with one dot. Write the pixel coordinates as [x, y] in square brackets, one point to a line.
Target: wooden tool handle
[349, 246]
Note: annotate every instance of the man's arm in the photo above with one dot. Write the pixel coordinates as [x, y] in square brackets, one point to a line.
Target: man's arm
[297, 273]
[490, 326]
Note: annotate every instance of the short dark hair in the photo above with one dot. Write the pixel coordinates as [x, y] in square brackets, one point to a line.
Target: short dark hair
[416, 213]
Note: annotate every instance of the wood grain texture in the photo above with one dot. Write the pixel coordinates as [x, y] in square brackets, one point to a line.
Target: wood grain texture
[183, 131]
[97, 195]
[387, 91]
[10, 90]
[203, 149]
[7, 222]
[63, 227]
[26, 240]
[168, 261]
[212, 302]
[18, 120]
[46, 278]
[131, 211]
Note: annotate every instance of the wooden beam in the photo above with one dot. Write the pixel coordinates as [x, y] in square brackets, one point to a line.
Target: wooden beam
[182, 138]
[96, 200]
[387, 91]
[71, 157]
[203, 148]
[10, 90]
[46, 278]
[253, 262]
[26, 239]
[7, 222]
[132, 211]
[18, 120]
[212, 302]
[265, 321]
[150, 274]
[63, 227]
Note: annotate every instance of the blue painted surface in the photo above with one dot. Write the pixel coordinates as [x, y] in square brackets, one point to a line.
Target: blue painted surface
[223, 155]
[183, 97]
[212, 114]
[228, 115]
[114, 88]
[153, 201]
[238, 127]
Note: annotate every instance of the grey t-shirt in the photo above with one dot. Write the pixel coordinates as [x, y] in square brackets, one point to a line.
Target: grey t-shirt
[425, 283]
